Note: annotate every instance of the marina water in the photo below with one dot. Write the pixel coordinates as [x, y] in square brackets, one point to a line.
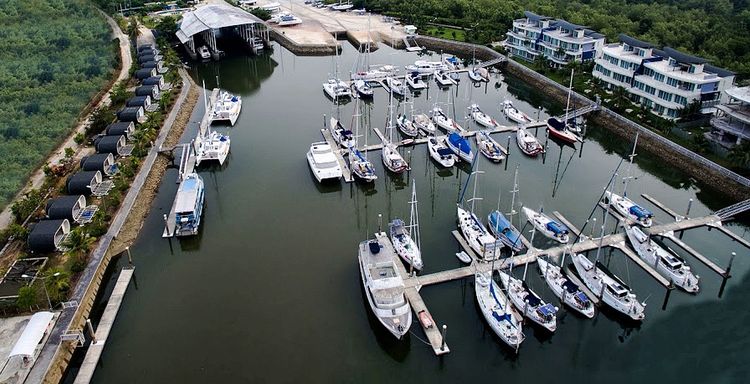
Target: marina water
[269, 291]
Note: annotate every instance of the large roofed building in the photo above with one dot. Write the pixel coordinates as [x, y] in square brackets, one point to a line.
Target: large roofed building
[731, 124]
[204, 25]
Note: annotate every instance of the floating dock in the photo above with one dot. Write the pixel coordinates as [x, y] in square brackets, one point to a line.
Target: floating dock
[347, 173]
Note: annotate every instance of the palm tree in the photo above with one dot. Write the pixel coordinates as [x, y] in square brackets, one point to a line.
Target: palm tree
[78, 242]
[619, 97]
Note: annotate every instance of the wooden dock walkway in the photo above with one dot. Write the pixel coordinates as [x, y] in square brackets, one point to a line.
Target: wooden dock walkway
[733, 235]
[423, 140]
[347, 173]
[568, 224]
[663, 207]
[703, 259]
[96, 347]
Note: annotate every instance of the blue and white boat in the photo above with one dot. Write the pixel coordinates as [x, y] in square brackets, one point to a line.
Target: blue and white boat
[564, 289]
[505, 231]
[547, 226]
[461, 147]
[360, 166]
[629, 209]
[189, 205]
[497, 310]
[452, 62]
[529, 303]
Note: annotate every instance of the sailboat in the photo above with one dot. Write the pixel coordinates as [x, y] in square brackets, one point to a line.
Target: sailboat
[358, 163]
[528, 143]
[624, 205]
[490, 148]
[440, 152]
[423, 123]
[665, 262]
[528, 302]
[392, 159]
[482, 118]
[343, 136]
[406, 125]
[548, 227]
[363, 89]
[460, 146]
[443, 121]
[476, 235]
[384, 288]
[560, 130]
[497, 310]
[335, 88]
[405, 238]
[512, 113]
[502, 227]
[564, 289]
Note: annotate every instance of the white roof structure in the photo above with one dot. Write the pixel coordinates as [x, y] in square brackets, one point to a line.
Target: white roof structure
[213, 16]
[32, 335]
[740, 93]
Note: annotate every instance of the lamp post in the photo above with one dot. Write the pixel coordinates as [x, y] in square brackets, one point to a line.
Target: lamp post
[46, 294]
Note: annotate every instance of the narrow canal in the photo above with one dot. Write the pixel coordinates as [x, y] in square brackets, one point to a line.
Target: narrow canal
[269, 291]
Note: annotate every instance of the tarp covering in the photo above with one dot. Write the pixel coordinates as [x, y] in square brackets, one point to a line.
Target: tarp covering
[640, 212]
[556, 227]
[212, 16]
[32, 335]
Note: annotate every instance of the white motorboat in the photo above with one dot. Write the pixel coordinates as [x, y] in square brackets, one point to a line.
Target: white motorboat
[564, 289]
[489, 147]
[363, 89]
[452, 63]
[407, 126]
[423, 66]
[443, 80]
[289, 20]
[211, 146]
[512, 113]
[384, 288]
[227, 108]
[423, 123]
[204, 53]
[464, 257]
[665, 262]
[529, 303]
[405, 238]
[440, 152]
[547, 226]
[443, 121]
[322, 161]
[528, 143]
[342, 7]
[629, 209]
[342, 136]
[375, 74]
[610, 289]
[415, 82]
[479, 75]
[497, 310]
[482, 118]
[336, 89]
[188, 205]
[395, 86]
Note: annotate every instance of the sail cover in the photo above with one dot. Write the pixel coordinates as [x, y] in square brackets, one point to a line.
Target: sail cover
[640, 212]
[556, 228]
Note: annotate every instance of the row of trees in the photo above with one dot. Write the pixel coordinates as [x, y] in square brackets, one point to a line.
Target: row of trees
[55, 57]
[718, 30]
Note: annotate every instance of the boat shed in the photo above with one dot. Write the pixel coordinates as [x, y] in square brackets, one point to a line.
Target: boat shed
[102, 162]
[148, 90]
[65, 207]
[30, 342]
[83, 182]
[132, 114]
[126, 128]
[48, 235]
[114, 144]
[154, 80]
[215, 20]
[145, 73]
[139, 101]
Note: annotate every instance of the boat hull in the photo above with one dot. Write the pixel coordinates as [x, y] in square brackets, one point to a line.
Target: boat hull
[497, 311]
[596, 281]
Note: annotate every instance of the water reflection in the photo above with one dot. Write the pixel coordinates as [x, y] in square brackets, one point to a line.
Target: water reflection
[246, 73]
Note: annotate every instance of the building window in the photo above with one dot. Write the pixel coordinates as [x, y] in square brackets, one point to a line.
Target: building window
[665, 95]
[659, 77]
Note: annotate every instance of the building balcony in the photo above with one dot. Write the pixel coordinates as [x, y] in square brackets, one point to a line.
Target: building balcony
[610, 80]
[648, 80]
[735, 128]
[615, 68]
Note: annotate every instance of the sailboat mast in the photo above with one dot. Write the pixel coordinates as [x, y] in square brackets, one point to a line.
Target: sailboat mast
[604, 222]
[474, 193]
[628, 177]
[570, 89]
[389, 127]
[512, 199]
[414, 217]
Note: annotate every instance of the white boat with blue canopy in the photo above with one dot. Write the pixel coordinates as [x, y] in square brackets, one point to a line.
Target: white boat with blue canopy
[567, 291]
[548, 227]
[497, 311]
[342, 136]
[452, 62]
[501, 227]
[460, 146]
[360, 166]
[189, 205]
[629, 209]
[528, 302]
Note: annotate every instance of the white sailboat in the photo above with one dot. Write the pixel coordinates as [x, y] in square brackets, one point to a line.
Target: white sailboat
[227, 108]
[342, 136]
[415, 82]
[497, 310]
[528, 302]
[482, 118]
[358, 163]
[548, 227]
[665, 262]
[443, 121]
[503, 227]
[392, 159]
[564, 289]
[528, 143]
[623, 205]
[423, 123]
[384, 288]
[611, 291]
[335, 88]
[406, 125]
[490, 148]
[405, 238]
[363, 89]
[476, 235]
[512, 113]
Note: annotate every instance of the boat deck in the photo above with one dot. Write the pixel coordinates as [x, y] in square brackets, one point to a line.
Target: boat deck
[346, 172]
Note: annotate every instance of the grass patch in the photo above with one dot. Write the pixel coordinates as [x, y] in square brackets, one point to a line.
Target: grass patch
[446, 33]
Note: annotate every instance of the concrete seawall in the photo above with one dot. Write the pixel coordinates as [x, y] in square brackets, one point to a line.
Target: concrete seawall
[303, 49]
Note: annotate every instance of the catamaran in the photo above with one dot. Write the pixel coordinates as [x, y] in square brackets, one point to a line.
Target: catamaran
[629, 209]
[227, 108]
[189, 205]
[384, 288]
[497, 311]
[423, 123]
[405, 238]
[336, 89]
[512, 113]
[528, 143]
[363, 89]
[460, 146]
[501, 227]
[445, 122]
[490, 148]
[211, 146]
[342, 136]
[322, 161]
[564, 289]
[528, 302]
[611, 290]
[665, 262]
[415, 82]
[440, 152]
[548, 227]
[482, 118]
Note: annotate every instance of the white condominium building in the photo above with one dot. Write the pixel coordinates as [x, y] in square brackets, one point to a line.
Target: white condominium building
[557, 40]
[665, 81]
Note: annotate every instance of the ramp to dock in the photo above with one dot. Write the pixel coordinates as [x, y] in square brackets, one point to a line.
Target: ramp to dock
[96, 348]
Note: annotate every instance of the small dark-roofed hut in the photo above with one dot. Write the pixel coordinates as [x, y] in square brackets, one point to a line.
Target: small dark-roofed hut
[139, 101]
[126, 128]
[110, 144]
[103, 162]
[83, 182]
[133, 114]
[157, 65]
[143, 47]
[145, 73]
[154, 80]
[65, 207]
[148, 90]
[47, 235]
